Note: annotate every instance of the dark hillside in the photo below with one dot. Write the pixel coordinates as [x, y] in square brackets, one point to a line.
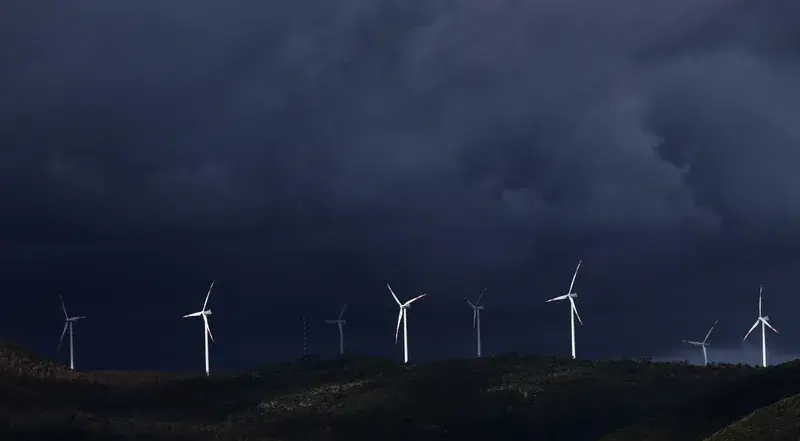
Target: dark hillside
[777, 422]
[720, 406]
[358, 398]
[514, 398]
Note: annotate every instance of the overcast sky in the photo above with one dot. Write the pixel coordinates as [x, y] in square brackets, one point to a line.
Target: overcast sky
[302, 153]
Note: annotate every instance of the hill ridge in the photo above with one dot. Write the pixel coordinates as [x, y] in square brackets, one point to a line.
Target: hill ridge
[509, 397]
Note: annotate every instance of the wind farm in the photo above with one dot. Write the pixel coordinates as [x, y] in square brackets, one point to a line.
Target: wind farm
[476, 306]
[442, 389]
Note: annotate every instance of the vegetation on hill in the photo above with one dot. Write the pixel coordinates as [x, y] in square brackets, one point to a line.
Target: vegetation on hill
[718, 406]
[777, 422]
[356, 398]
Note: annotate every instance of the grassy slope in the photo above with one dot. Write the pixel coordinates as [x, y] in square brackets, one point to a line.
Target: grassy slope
[777, 422]
[504, 398]
[717, 406]
[543, 398]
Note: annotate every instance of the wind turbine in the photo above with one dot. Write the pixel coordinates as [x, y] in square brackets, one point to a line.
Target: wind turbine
[340, 323]
[703, 344]
[764, 320]
[68, 324]
[206, 329]
[573, 311]
[403, 316]
[476, 317]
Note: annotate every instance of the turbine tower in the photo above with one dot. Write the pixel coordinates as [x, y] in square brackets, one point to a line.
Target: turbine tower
[476, 318]
[573, 311]
[206, 329]
[764, 320]
[68, 324]
[340, 322]
[403, 316]
[703, 344]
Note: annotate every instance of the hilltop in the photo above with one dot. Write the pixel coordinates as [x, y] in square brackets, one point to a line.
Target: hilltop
[357, 398]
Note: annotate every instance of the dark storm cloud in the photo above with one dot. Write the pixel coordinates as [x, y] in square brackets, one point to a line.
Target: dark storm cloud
[474, 135]
[510, 114]
[452, 120]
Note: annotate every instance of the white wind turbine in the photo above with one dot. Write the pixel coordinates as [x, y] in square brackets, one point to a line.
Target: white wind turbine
[573, 311]
[340, 322]
[68, 324]
[206, 329]
[403, 316]
[476, 317]
[703, 344]
[764, 320]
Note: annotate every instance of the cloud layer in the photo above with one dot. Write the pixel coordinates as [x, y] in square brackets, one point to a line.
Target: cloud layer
[539, 116]
[479, 137]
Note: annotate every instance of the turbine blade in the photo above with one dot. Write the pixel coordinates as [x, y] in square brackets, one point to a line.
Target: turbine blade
[474, 318]
[397, 331]
[555, 299]
[760, 290]
[575, 310]
[208, 295]
[770, 327]
[208, 328]
[480, 296]
[194, 314]
[574, 276]
[392, 292]
[709, 331]
[416, 298]
[61, 340]
[470, 303]
[751, 329]
[342, 313]
[64, 308]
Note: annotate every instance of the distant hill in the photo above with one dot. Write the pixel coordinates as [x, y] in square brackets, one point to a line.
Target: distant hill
[20, 361]
[506, 398]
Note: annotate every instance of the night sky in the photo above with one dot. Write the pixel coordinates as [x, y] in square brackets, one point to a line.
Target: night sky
[302, 153]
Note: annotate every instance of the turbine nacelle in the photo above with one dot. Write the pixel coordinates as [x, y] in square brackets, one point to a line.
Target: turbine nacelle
[697, 343]
[75, 319]
[407, 305]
